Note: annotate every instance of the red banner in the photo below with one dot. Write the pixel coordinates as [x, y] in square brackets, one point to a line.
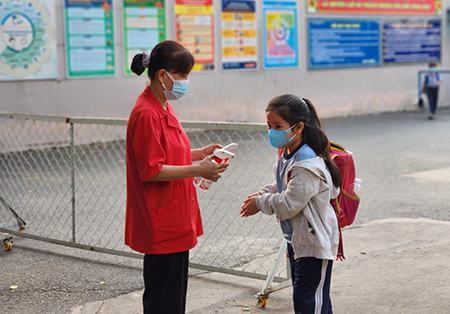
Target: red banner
[420, 7]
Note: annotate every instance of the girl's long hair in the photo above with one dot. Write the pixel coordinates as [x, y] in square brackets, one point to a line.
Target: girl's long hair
[294, 110]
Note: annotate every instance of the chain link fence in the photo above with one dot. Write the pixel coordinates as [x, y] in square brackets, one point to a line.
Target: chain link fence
[66, 178]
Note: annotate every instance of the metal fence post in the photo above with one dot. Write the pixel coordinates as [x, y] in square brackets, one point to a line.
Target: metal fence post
[72, 158]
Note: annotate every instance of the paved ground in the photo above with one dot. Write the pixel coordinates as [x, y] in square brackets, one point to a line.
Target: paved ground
[402, 158]
[51, 279]
[392, 266]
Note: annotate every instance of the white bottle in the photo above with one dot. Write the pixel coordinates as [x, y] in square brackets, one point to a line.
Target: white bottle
[357, 186]
[220, 155]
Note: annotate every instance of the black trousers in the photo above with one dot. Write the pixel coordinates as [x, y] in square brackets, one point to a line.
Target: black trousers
[433, 96]
[165, 280]
[311, 279]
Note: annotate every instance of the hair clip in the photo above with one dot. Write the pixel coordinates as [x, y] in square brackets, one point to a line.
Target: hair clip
[145, 59]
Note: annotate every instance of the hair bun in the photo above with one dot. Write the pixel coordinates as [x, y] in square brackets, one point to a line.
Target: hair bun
[136, 64]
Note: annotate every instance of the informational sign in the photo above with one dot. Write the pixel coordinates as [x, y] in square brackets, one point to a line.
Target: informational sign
[195, 30]
[144, 26]
[280, 33]
[89, 38]
[239, 35]
[27, 40]
[411, 41]
[335, 43]
[420, 7]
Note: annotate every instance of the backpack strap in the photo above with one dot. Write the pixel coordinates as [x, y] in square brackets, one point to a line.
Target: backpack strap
[340, 255]
[337, 146]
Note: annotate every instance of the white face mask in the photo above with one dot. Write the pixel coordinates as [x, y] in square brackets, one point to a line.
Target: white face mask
[179, 88]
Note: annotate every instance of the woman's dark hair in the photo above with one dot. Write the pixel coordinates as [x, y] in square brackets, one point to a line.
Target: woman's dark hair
[168, 55]
[294, 110]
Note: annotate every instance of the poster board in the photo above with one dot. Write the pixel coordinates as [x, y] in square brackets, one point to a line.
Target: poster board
[280, 33]
[194, 27]
[338, 43]
[239, 35]
[27, 40]
[90, 44]
[411, 40]
[144, 26]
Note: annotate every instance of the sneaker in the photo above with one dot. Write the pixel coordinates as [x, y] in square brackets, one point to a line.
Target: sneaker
[430, 116]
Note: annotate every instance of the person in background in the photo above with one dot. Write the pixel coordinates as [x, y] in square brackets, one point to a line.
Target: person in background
[431, 89]
[162, 213]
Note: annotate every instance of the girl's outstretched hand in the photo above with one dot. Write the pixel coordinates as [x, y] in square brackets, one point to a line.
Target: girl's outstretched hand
[249, 207]
[253, 195]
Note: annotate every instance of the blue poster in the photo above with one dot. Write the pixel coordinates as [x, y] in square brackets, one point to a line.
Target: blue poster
[337, 43]
[280, 34]
[411, 41]
[238, 6]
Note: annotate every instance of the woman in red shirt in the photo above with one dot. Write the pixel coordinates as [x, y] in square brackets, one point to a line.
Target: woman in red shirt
[162, 215]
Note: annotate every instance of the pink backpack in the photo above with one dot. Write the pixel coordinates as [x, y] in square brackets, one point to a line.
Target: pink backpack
[347, 202]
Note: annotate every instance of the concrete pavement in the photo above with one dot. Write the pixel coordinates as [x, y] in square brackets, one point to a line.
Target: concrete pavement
[392, 266]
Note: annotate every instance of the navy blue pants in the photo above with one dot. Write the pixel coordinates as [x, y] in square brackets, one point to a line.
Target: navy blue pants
[311, 279]
[433, 96]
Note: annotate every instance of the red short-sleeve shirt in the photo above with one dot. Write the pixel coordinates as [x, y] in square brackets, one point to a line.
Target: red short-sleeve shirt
[161, 217]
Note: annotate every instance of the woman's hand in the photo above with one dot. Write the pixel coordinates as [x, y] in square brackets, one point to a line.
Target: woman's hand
[202, 153]
[210, 170]
[209, 149]
[249, 207]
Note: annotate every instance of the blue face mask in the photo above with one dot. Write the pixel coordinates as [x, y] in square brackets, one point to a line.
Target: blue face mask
[279, 138]
[179, 88]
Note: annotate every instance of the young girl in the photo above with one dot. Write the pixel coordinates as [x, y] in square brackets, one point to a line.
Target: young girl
[306, 180]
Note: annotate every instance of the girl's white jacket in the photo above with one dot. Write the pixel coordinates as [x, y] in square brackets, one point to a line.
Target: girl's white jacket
[306, 203]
